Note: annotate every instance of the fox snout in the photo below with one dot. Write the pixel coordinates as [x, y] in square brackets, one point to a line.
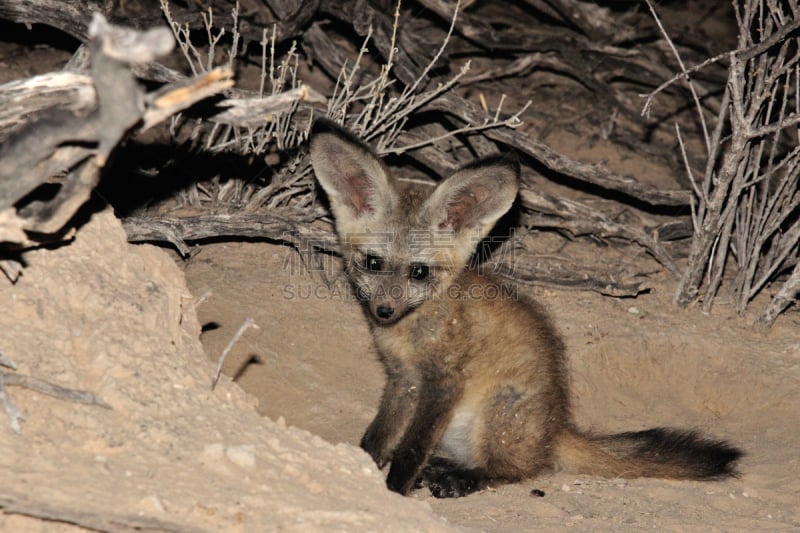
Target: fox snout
[385, 310]
[384, 315]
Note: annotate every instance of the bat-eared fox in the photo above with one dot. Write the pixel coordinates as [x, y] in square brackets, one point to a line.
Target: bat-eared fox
[476, 390]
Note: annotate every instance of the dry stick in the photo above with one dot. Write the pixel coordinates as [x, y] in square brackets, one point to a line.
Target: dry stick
[12, 269]
[255, 112]
[720, 130]
[698, 106]
[70, 17]
[38, 385]
[684, 74]
[718, 256]
[532, 269]
[689, 173]
[179, 230]
[248, 323]
[20, 99]
[785, 297]
[7, 362]
[178, 96]
[511, 122]
[11, 410]
[51, 389]
[105, 522]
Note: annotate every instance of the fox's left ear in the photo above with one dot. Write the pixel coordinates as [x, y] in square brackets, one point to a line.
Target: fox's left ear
[475, 197]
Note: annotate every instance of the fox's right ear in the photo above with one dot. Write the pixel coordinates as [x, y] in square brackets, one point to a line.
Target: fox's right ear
[355, 180]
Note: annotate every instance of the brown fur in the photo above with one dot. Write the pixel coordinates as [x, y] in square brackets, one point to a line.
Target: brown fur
[476, 379]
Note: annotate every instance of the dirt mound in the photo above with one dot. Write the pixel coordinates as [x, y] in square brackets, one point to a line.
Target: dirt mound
[101, 315]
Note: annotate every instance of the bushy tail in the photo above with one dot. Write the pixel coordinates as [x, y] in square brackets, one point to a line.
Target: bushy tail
[658, 452]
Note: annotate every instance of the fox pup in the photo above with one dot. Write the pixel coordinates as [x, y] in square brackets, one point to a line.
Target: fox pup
[476, 388]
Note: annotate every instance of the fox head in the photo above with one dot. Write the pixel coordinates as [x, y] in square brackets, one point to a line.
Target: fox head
[403, 245]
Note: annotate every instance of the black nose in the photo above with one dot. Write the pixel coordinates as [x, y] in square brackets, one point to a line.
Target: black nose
[384, 312]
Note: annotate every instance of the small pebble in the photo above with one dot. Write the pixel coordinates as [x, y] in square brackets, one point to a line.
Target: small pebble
[244, 455]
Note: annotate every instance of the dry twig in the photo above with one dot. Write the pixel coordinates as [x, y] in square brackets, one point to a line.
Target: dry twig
[247, 324]
[38, 385]
[746, 205]
[104, 522]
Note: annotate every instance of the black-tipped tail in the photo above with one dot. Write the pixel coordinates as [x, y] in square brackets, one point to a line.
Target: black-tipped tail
[658, 452]
[687, 453]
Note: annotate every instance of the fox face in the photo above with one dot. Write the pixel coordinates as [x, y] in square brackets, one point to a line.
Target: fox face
[403, 245]
[391, 277]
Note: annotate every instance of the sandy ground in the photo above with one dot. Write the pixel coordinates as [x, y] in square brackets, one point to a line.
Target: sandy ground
[636, 363]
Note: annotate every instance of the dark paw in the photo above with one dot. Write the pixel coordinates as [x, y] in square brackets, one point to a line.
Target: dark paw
[447, 480]
[452, 487]
[403, 473]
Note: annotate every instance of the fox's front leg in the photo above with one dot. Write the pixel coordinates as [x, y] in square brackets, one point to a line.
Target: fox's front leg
[397, 408]
[433, 413]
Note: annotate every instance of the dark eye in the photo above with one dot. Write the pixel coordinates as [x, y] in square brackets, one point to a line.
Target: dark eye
[419, 272]
[373, 263]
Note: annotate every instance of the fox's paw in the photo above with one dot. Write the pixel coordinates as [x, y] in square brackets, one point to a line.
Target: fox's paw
[403, 472]
[451, 486]
[447, 480]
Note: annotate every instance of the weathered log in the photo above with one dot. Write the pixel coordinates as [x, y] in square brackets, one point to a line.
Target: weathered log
[78, 139]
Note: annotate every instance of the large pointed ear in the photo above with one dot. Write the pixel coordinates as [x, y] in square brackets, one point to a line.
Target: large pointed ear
[355, 180]
[475, 197]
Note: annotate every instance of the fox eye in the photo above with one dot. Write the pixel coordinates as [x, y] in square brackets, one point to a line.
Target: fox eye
[419, 272]
[373, 263]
